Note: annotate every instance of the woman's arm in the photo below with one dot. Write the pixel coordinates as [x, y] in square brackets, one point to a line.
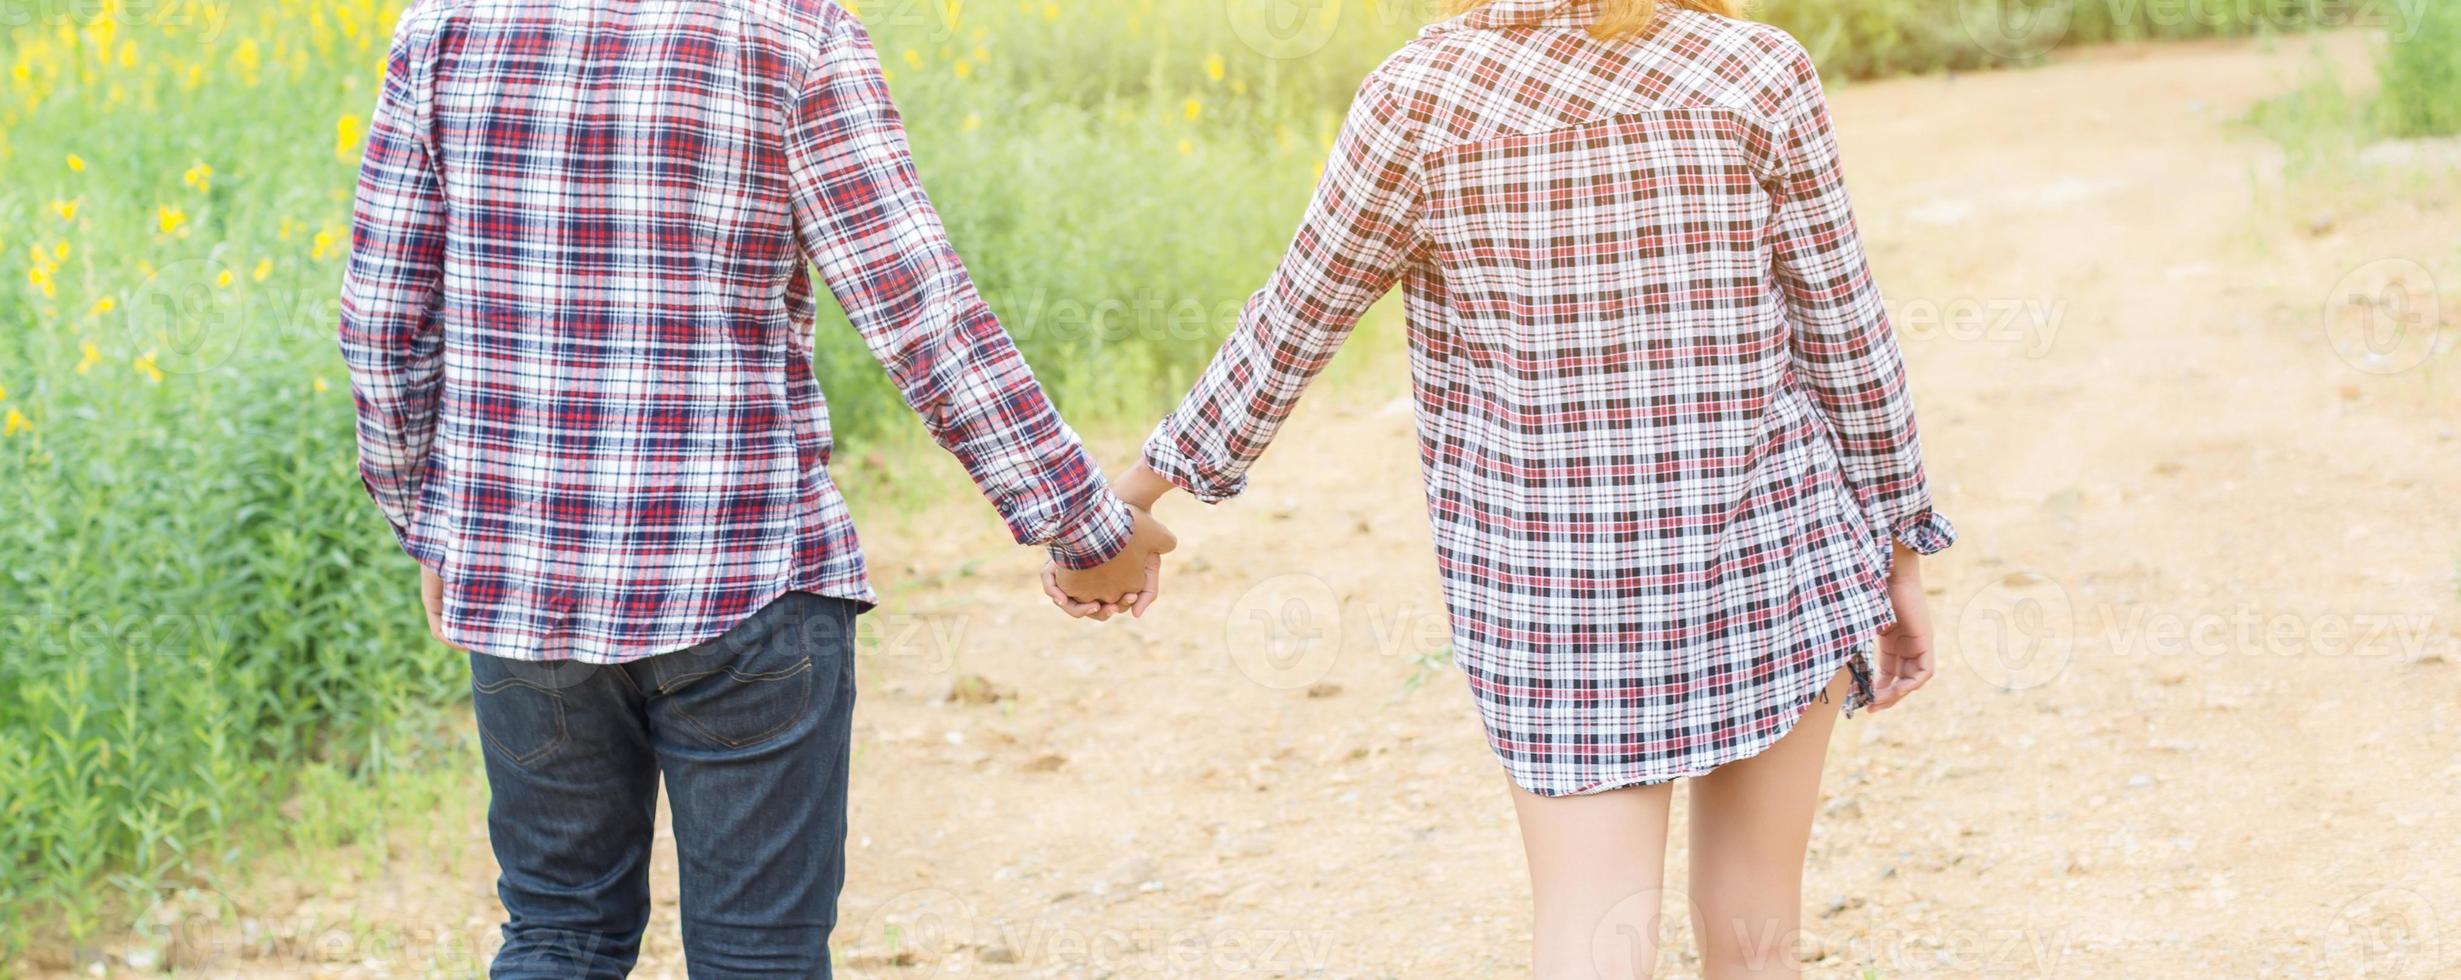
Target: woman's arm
[1844, 350]
[1358, 234]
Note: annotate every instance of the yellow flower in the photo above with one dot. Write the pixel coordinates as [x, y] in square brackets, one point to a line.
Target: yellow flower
[199, 176]
[965, 69]
[346, 137]
[285, 233]
[59, 252]
[103, 305]
[4, 393]
[223, 281]
[264, 268]
[1192, 109]
[15, 423]
[1186, 148]
[170, 219]
[1213, 67]
[318, 384]
[145, 365]
[1051, 11]
[40, 277]
[324, 246]
[973, 122]
[76, 163]
[914, 58]
[92, 356]
[981, 54]
[67, 210]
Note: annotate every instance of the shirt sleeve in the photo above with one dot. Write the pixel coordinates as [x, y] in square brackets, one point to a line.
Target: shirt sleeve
[391, 285]
[864, 221]
[1844, 350]
[1351, 246]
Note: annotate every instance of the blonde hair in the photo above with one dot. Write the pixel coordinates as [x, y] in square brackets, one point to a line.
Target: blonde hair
[1625, 18]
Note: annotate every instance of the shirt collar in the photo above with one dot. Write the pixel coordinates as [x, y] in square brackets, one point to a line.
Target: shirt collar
[1500, 14]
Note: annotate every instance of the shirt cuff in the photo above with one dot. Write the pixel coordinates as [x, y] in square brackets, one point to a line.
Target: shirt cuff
[1926, 533]
[1096, 536]
[1162, 456]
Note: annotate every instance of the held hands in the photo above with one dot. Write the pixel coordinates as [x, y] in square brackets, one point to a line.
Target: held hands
[1129, 582]
[1905, 648]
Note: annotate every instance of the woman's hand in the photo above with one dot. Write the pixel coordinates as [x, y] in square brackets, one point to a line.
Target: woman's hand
[1140, 486]
[1905, 647]
[1129, 582]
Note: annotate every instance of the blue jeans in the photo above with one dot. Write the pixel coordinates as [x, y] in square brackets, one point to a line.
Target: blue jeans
[751, 731]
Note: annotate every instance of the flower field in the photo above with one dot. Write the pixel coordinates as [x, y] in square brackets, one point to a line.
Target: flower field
[204, 618]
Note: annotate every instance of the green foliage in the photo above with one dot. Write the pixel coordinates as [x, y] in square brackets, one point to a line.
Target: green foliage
[2322, 126]
[2420, 75]
[1868, 38]
[209, 632]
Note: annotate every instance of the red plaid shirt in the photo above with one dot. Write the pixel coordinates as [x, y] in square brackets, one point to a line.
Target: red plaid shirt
[1665, 430]
[578, 319]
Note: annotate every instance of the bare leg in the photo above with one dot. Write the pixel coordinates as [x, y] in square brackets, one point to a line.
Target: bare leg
[1596, 867]
[1751, 821]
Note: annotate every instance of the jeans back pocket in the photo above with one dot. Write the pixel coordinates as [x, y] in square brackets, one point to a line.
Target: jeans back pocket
[754, 682]
[519, 719]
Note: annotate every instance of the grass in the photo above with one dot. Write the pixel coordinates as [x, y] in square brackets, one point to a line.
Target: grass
[1872, 38]
[2322, 126]
[2419, 78]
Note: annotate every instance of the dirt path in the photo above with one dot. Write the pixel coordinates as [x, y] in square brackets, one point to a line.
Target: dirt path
[2202, 708]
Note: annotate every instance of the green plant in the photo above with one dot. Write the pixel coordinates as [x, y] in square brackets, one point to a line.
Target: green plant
[2419, 90]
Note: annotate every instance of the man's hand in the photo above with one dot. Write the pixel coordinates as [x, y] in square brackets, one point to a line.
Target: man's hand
[1129, 581]
[431, 595]
[1905, 648]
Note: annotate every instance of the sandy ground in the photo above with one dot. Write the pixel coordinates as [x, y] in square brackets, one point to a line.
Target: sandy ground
[2200, 712]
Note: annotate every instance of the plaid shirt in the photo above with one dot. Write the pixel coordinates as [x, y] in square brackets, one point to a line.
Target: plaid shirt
[1662, 420]
[578, 319]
